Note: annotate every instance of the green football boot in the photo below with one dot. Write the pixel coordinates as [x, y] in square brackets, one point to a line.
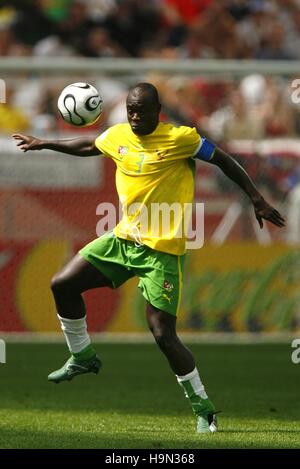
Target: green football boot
[207, 420]
[75, 367]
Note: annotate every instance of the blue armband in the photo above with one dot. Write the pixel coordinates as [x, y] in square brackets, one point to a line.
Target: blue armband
[206, 150]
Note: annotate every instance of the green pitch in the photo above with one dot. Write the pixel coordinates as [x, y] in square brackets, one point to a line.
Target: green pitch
[135, 401]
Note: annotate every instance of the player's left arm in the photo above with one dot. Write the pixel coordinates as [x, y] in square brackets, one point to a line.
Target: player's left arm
[232, 169]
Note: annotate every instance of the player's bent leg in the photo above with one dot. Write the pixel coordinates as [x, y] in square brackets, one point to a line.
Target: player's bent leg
[74, 279]
[163, 328]
[67, 286]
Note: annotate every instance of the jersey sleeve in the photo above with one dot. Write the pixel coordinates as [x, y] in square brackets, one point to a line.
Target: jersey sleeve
[193, 145]
[187, 141]
[104, 142]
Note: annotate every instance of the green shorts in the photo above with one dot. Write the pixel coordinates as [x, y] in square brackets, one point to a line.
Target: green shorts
[160, 273]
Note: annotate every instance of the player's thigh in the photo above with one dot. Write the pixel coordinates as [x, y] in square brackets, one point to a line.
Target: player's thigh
[108, 255]
[160, 321]
[80, 275]
[161, 281]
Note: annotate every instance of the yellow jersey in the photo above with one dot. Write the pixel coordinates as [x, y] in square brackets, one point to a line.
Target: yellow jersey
[154, 181]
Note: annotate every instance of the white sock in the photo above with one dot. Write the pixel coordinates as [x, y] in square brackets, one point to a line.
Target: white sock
[75, 332]
[192, 384]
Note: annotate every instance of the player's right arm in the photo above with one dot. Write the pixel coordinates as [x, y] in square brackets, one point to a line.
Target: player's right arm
[75, 146]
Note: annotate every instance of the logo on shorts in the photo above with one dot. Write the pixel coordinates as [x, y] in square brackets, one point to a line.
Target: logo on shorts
[166, 297]
[122, 151]
[168, 286]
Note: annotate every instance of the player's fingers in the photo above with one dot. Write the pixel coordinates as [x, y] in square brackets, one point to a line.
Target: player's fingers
[259, 219]
[18, 137]
[23, 147]
[276, 220]
[277, 215]
[20, 140]
[280, 217]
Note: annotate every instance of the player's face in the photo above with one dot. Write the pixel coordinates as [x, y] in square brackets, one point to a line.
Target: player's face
[142, 113]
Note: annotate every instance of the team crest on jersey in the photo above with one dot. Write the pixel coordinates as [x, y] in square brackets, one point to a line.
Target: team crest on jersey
[122, 150]
[161, 154]
[168, 286]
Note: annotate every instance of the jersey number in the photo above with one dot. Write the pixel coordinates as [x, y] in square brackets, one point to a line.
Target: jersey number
[140, 162]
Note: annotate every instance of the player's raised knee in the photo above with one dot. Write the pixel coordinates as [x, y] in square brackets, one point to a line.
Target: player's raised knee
[60, 283]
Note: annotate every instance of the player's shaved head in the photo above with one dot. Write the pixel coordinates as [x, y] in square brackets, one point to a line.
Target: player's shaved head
[148, 91]
[143, 108]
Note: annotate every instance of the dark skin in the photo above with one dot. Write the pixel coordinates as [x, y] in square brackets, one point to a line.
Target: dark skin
[78, 275]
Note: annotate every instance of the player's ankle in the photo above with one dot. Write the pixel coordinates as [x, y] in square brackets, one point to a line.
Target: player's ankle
[86, 354]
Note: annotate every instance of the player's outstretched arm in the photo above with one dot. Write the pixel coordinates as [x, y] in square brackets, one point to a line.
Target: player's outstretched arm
[236, 172]
[75, 146]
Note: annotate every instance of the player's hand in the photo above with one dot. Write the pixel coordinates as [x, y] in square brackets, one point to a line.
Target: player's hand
[27, 142]
[264, 211]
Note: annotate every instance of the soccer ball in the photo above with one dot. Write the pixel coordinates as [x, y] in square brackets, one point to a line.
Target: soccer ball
[80, 104]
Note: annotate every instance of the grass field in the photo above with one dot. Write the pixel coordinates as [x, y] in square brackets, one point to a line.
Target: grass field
[135, 401]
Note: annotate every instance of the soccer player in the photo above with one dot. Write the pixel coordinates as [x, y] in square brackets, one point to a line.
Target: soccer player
[155, 163]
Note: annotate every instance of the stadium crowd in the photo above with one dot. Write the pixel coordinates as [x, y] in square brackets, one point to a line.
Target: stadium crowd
[255, 107]
[241, 29]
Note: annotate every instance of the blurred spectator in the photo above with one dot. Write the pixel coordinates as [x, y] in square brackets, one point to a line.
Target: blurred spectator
[28, 95]
[53, 46]
[254, 26]
[56, 10]
[12, 118]
[74, 30]
[184, 11]
[196, 45]
[31, 24]
[253, 88]
[278, 113]
[133, 24]
[100, 9]
[219, 28]
[292, 34]
[179, 15]
[235, 121]
[6, 40]
[273, 47]
[241, 123]
[99, 44]
[239, 9]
